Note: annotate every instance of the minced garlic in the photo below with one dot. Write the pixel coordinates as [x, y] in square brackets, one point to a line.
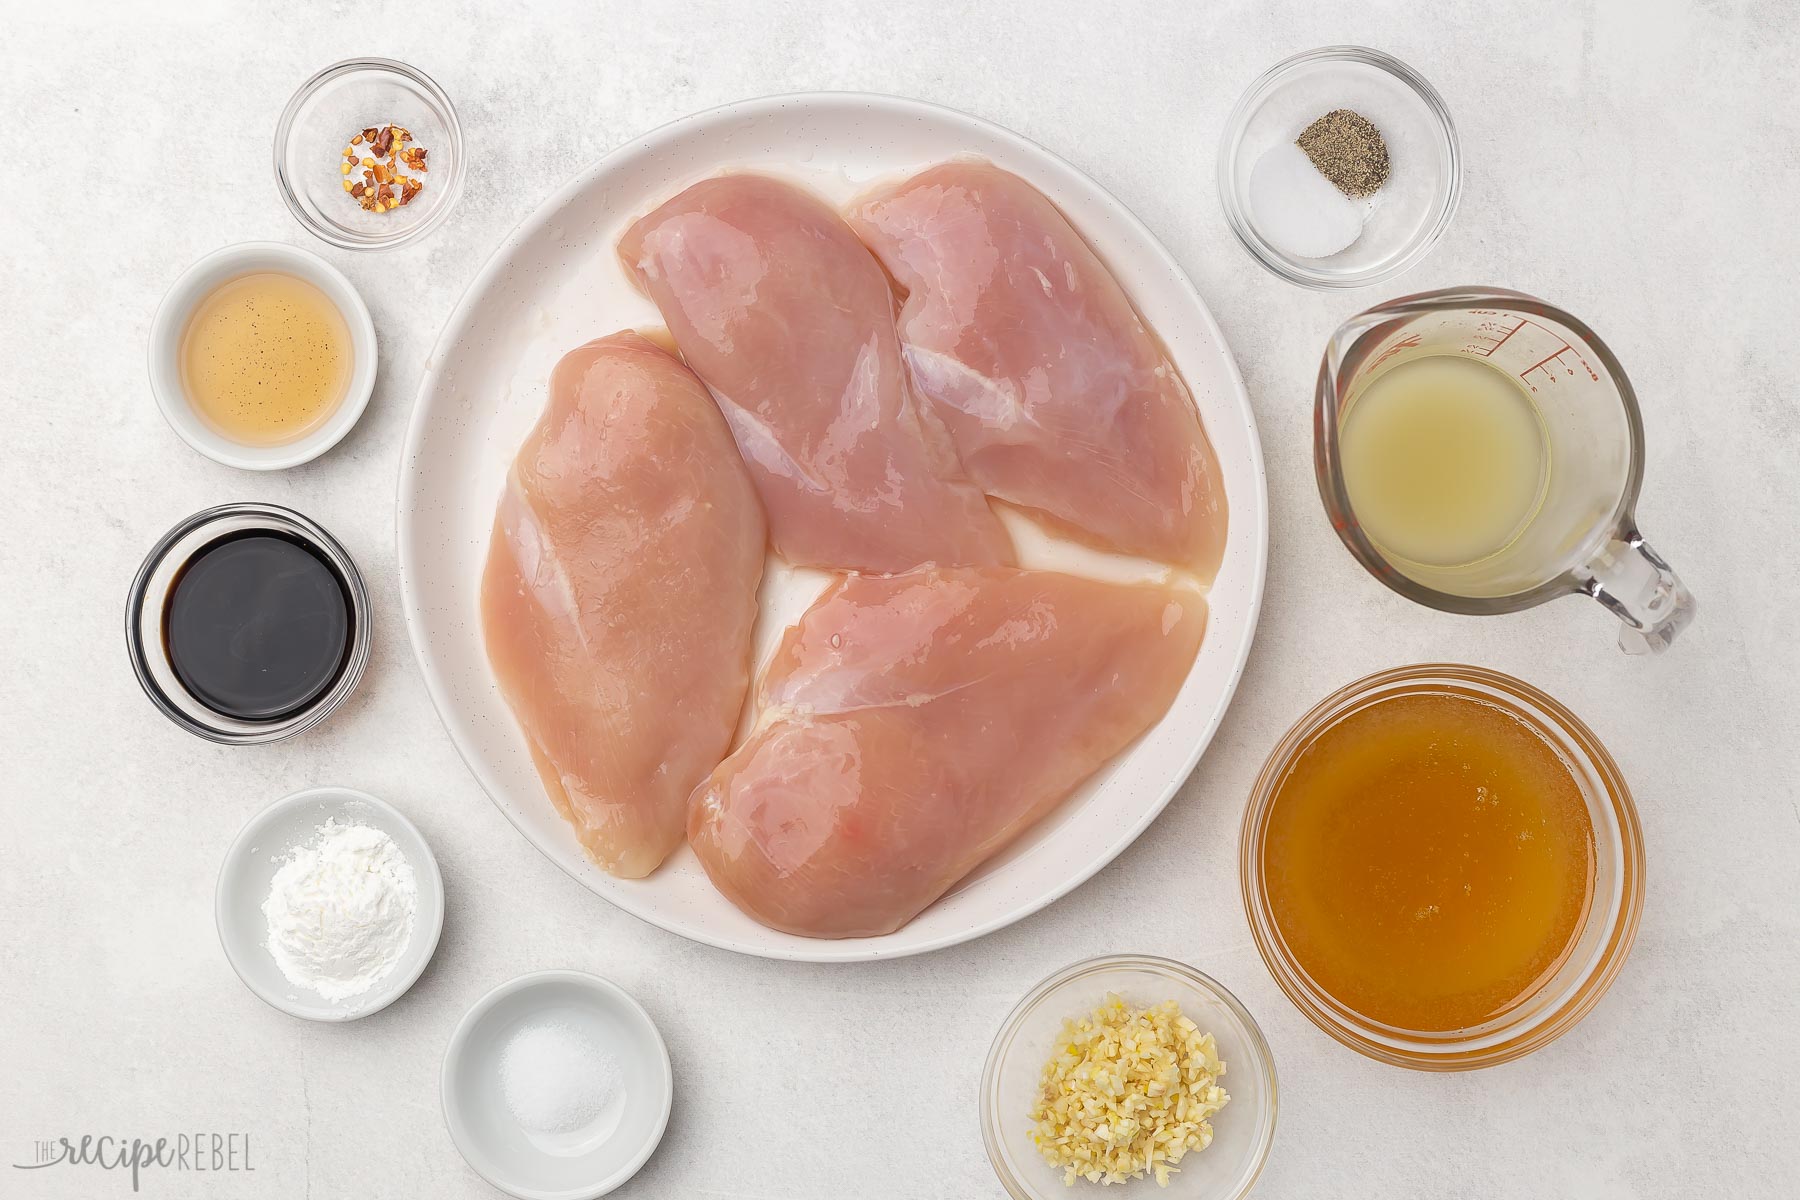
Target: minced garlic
[1129, 1091]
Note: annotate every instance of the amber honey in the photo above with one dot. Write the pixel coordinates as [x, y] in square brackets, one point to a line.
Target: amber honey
[1429, 860]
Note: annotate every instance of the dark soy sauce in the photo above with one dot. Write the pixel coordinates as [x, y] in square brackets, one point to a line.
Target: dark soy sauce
[258, 626]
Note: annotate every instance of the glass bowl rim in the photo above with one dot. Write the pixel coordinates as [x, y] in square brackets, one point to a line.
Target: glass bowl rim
[1450, 1051]
[1167, 968]
[1238, 121]
[284, 131]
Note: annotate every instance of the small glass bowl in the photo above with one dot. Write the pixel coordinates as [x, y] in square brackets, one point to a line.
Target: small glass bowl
[146, 618]
[1409, 213]
[1602, 945]
[334, 106]
[1242, 1131]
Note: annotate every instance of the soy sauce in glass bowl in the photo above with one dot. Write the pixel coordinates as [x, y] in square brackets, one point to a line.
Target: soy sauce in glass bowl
[248, 623]
[257, 626]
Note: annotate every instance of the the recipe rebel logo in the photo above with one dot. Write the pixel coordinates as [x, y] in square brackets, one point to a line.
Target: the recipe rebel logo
[140, 1157]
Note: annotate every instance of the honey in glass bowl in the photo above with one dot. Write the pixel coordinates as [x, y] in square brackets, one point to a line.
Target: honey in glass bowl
[1429, 860]
[1442, 867]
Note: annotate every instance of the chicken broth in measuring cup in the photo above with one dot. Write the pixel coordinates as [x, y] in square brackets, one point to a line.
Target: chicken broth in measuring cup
[1480, 452]
[1445, 460]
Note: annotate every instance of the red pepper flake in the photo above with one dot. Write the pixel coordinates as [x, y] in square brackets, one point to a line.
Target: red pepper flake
[390, 151]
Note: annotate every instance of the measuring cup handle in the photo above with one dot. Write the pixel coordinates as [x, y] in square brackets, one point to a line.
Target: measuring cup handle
[1634, 582]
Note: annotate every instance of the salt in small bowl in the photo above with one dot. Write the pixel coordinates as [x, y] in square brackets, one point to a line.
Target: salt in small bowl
[581, 1164]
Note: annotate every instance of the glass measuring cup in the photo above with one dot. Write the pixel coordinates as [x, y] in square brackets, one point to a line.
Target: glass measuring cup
[1583, 537]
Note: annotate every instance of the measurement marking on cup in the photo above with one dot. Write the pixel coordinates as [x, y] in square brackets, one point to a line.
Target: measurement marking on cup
[1408, 342]
[1546, 361]
[1543, 363]
[1488, 352]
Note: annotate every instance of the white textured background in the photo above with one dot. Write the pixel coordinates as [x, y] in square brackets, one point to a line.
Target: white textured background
[1638, 163]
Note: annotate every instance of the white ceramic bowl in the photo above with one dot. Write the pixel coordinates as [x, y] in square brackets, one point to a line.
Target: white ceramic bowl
[556, 283]
[1243, 1130]
[254, 858]
[165, 353]
[587, 1162]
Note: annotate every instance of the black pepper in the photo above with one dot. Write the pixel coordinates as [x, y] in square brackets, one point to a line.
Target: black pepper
[1347, 149]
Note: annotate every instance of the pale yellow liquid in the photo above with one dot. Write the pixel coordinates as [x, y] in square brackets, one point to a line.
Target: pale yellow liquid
[266, 358]
[1445, 460]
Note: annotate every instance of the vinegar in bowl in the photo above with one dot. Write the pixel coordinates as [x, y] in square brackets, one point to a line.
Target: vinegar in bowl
[266, 358]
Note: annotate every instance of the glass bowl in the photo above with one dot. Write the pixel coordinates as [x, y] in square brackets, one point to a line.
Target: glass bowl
[1242, 1131]
[1409, 213]
[334, 106]
[146, 616]
[1607, 932]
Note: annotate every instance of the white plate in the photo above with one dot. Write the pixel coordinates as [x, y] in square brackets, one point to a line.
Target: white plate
[555, 283]
[250, 865]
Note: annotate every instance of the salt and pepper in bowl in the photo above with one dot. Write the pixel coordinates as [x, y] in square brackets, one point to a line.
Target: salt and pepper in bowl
[1339, 167]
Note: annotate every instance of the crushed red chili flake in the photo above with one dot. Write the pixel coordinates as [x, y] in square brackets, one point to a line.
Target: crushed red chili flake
[386, 149]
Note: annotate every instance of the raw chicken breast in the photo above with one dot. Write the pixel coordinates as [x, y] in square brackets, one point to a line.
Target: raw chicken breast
[913, 725]
[619, 595]
[1058, 397]
[790, 321]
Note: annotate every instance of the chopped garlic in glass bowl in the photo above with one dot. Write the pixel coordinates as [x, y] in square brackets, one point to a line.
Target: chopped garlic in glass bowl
[1222, 1165]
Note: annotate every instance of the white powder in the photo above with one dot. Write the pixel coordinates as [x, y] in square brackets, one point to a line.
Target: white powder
[340, 910]
[554, 1078]
[1297, 209]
